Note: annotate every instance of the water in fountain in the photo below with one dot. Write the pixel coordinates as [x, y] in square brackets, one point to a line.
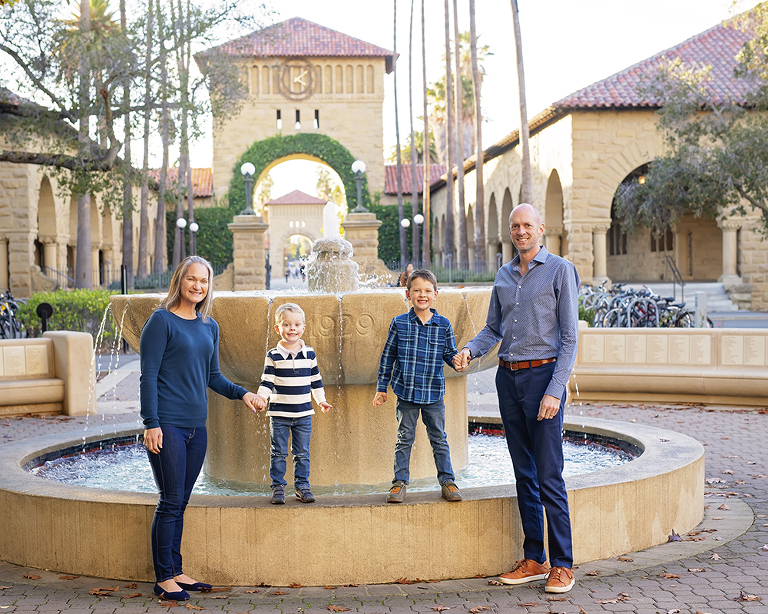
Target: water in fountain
[330, 267]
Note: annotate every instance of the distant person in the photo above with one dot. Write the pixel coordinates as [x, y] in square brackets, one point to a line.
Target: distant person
[291, 379]
[534, 313]
[179, 360]
[418, 344]
[403, 280]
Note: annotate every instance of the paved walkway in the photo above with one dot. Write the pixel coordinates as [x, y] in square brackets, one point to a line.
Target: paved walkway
[726, 570]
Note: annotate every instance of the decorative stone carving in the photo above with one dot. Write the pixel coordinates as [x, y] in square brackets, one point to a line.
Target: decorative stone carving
[40, 281]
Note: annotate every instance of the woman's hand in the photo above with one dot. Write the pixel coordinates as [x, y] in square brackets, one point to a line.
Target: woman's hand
[253, 401]
[153, 440]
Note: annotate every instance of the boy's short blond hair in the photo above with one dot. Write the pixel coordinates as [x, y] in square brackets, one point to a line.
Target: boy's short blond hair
[424, 274]
[293, 308]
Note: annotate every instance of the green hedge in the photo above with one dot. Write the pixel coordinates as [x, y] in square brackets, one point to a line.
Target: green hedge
[77, 310]
[389, 232]
[214, 239]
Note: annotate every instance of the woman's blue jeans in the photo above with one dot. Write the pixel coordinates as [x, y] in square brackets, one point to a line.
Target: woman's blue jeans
[175, 468]
[433, 416]
[300, 431]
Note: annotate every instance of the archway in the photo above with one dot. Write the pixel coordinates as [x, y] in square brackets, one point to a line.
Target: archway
[296, 249]
[507, 249]
[45, 244]
[554, 232]
[267, 153]
[493, 238]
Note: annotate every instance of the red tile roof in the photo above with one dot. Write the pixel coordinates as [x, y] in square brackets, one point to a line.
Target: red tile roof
[297, 37]
[717, 47]
[297, 197]
[390, 177]
[202, 180]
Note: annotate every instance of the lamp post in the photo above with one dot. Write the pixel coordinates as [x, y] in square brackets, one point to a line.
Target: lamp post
[418, 219]
[358, 168]
[181, 224]
[248, 170]
[193, 228]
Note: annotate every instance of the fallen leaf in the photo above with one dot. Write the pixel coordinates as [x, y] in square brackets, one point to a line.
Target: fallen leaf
[696, 569]
[624, 559]
[132, 596]
[697, 612]
[251, 591]
[674, 537]
[404, 581]
[30, 576]
[740, 482]
[529, 605]
[479, 608]
[278, 593]
[351, 585]
[495, 583]
[692, 533]
[261, 584]
[677, 611]
[723, 507]
[714, 481]
[604, 601]
[715, 556]
[99, 593]
[189, 606]
[227, 596]
[108, 588]
[440, 608]
[337, 608]
[668, 576]
[745, 597]
[557, 598]
[592, 573]
[695, 539]
[167, 604]
[295, 585]
[68, 577]
[728, 472]
[765, 548]
[2, 588]
[132, 585]
[222, 589]
[330, 588]
[762, 515]
[623, 596]
[717, 518]
[582, 610]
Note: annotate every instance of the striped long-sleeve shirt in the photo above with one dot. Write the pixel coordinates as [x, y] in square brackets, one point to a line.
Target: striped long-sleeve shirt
[290, 381]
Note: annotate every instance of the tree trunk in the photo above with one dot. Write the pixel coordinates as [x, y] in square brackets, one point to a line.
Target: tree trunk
[527, 192]
[143, 268]
[448, 252]
[425, 191]
[480, 251]
[461, 208]
[83, 272]
[184, 180]
[415, 252]
[127, 259]
[400, 210]
[160, 239]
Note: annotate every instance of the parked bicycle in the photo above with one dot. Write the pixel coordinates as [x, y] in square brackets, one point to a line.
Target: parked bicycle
[10, 325]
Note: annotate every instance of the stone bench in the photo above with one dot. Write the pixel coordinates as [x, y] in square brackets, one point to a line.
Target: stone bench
[672, 365]
[48, 375]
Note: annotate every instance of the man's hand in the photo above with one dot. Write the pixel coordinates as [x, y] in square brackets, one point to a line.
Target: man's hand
[461, 360]
[259, 402]
[379, 399]
[153, 440]
[325, 407]
[548, 407]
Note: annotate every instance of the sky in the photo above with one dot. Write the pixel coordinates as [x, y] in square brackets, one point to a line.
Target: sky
[567, 45]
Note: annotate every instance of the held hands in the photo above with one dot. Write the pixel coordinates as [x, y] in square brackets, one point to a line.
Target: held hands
[325, 407]
[259, 402]
[153, 440]
[548, 408]
[379, 399]
[461, 360]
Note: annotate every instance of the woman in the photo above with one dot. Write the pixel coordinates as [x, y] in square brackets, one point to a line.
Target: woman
[403, 280]
[179, 361]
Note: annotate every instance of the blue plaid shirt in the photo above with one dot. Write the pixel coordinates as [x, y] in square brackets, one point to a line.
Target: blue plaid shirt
[413, 356]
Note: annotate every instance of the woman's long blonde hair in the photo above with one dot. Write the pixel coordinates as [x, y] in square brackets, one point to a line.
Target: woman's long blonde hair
[173, 299]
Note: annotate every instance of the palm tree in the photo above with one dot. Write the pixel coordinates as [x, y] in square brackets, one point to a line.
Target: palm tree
[449, 231]
[143, 269]
[127, 258]
[479, 196]
[415, 256]
[160, 248]
[426, 136]
[83, 272]
[400, 211]
[462, 219]
[527, 187]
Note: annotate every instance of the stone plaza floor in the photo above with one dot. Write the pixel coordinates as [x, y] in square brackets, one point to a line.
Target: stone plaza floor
[724, 568]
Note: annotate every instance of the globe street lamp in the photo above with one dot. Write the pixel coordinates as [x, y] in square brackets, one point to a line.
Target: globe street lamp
[405, 222]
[248, 171]
[418, 219]
[358, 168]
[193, 228]
[181, 224]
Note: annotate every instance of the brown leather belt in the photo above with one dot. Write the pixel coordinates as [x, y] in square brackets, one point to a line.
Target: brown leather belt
[526, 364]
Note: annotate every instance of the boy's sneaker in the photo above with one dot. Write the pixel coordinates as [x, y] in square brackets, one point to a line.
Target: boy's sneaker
[278, 495]
[560, 580]
[525, 571]
[451, 492]
[396, 493]
[305, 495]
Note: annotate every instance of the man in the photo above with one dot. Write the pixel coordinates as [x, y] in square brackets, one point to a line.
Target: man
[534, 313]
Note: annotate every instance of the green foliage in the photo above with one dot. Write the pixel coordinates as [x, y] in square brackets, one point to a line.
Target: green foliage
[262, 153]
[214, 239]
[587, 314]
[389, 231]
[77, 310]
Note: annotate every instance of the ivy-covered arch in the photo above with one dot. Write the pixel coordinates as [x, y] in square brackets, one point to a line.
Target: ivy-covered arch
[263, 153]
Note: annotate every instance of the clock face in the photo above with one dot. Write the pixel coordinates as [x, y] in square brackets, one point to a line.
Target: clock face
[297, 79]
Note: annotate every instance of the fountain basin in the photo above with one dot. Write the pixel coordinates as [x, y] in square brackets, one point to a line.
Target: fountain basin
[345, 539]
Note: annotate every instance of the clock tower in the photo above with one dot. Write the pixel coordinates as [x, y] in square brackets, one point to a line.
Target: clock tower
[304, 78]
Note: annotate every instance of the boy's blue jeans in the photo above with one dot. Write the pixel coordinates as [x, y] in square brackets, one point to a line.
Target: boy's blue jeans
[299, 429]
[175, 468]
[433, 416]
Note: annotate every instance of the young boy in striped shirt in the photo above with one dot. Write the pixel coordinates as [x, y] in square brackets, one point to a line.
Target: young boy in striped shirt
[418, 344]
[291, 378]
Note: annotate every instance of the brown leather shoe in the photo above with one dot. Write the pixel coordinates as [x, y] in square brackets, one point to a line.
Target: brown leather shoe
[525, 571]
[560, 580]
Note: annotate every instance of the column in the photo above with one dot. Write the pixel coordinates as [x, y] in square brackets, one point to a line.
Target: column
[362, 231]
[490, 256]
[552, 239]
[600, 270]
[730, 276]
[506, 252]
[50, 253]
[94, 266]
[111, 268]
[248, 252]
[4, 285]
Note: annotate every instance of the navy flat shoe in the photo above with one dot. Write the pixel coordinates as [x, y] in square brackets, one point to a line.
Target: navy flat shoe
[197, 586]
[175, 596]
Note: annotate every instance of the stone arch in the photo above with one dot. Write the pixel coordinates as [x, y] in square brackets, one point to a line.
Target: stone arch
[270, 152]
[554, 231]
[47, 227]
[492, 235]
[506, 211]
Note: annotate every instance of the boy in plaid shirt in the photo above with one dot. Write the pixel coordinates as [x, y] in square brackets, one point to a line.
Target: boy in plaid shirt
[418, 344]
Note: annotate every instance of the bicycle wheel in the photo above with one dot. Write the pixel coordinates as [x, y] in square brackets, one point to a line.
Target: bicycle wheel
[611, 319]
[6, 329]
[684, 320]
